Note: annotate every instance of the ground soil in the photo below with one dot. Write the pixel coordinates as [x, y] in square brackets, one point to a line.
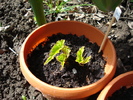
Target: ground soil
[16, 22]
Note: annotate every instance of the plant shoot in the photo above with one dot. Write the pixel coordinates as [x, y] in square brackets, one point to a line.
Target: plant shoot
[63, 56]
[55, 50]
[63, 52]
[61, 48]
[80, 59]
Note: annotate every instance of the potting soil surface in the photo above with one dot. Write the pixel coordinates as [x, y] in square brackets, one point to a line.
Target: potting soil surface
[73, 74]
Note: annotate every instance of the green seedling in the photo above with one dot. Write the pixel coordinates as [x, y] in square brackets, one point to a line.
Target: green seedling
[63, 56]
[80, 59]
[55, 50]
[62, 52]
[24, 97]
[61, 48]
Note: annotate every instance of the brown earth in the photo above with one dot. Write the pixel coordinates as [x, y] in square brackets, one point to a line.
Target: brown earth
[16, 22]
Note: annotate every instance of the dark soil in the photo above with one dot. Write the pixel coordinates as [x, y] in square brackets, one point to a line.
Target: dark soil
[122, 94]
[73, 74]
[17, 20]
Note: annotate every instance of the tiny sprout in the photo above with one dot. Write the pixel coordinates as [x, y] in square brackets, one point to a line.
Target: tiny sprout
[63, 52]
[80, 59]
[59, 46]
[55, 50]
[24, 97]
[63, 56]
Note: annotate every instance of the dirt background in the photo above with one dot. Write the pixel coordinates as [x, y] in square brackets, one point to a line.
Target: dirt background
[16, 22]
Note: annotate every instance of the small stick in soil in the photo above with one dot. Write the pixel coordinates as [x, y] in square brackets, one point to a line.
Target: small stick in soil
[106, 34]
[13, 51]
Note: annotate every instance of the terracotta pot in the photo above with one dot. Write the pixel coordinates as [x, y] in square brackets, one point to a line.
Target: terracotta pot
[125, 79]
[67, 27]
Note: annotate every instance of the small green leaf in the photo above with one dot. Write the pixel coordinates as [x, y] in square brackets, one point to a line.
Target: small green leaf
[55, 50]
[63, 56]
[66, 50]
[80, 59]
[24, 97]
[86, 60]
